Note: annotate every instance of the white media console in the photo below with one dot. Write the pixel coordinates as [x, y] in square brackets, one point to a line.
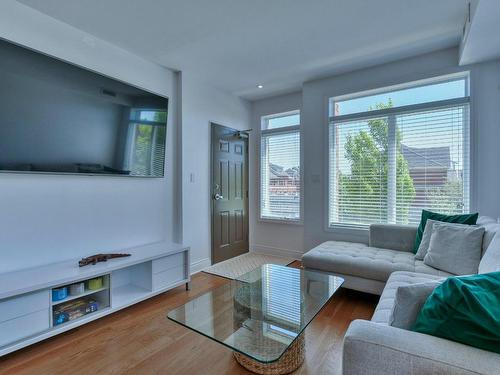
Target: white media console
[26, 305]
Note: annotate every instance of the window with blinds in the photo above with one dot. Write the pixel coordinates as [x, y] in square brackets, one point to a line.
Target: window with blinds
[280, 177]
[400, 155]
[148, 129]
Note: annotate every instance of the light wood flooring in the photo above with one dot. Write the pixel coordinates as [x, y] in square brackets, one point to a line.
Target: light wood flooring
[140, 340]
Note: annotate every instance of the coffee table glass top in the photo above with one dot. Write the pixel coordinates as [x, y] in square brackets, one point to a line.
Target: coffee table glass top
[261, 313]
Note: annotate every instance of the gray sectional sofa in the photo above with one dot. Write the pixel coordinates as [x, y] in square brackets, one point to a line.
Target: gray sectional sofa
[386, 263]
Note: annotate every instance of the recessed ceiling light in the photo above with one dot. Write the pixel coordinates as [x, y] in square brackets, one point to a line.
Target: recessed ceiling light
[260, 86]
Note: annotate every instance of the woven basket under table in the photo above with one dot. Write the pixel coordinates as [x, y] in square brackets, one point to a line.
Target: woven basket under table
[289, 361]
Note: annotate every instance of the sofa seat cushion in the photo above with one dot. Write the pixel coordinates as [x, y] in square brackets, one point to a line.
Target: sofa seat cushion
[421, 267]
[360, 260]
[384, 308]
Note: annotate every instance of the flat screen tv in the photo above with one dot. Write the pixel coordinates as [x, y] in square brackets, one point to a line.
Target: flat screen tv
[58, 118]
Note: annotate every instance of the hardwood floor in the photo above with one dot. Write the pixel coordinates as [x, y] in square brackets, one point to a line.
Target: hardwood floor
[140, 340]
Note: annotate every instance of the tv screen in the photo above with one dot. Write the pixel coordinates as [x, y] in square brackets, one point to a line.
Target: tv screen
[59, 118]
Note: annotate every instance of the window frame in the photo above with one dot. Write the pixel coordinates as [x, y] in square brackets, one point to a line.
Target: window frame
[439, 104]
[263, 132]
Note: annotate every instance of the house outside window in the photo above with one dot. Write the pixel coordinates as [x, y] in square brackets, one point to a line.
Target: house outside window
[397, 151]
[280, 176]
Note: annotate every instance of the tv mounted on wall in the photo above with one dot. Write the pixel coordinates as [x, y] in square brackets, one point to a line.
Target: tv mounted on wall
[58, 118]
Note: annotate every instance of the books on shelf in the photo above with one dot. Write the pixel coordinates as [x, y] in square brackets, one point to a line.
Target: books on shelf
[75, 309]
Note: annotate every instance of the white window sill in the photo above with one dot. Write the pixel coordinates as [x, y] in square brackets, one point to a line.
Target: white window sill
[280, 221]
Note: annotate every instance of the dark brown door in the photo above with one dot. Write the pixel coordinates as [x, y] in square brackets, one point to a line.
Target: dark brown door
[229, 193]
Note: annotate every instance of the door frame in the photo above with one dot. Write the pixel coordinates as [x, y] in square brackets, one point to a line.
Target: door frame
[211, 187]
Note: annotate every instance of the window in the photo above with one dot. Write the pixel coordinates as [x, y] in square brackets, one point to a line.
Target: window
[280, 167]
[281, 292]
[394, 153]
[147, 130]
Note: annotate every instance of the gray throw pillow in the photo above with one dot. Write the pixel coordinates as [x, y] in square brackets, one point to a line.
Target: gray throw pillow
[426, 239]
[408, 302]
[455, 248]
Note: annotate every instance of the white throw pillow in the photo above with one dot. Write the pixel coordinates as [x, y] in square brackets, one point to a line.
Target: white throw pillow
[455, 248]
[426, 239]
[408, 302]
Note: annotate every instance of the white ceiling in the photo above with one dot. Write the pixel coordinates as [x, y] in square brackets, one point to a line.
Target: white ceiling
[237, 44]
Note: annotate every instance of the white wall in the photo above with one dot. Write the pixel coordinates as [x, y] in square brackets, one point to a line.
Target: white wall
[485, 124]
[45, 218]
[202, 104]
[485, 91]
[268, 236]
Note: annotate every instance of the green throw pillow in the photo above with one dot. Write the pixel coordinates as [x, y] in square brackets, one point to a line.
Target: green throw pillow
[465, 309]
[469, 219]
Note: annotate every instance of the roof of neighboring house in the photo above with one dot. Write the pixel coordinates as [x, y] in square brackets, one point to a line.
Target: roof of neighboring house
[427, 157]
[279, 172]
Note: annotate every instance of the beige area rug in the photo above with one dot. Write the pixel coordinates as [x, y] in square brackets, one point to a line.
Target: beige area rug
[237, 266]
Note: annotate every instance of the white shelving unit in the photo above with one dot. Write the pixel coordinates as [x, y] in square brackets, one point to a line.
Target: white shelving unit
[84, 294]
[26, 306]
[100, 295]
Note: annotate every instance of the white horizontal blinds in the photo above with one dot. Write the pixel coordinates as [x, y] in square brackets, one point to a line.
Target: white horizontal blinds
[358, 173]
[141, 157]
[282, 302]
[433, 146]
[280, 168]
[280, 176]
[158, 153]
[386, 169]
[149, 142]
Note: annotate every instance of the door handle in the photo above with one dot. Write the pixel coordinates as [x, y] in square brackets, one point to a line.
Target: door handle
[218, 197]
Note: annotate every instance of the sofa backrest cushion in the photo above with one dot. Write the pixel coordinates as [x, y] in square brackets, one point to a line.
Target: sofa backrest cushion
[483, 220]
[392, 236]
[490, 230]
[490, 262]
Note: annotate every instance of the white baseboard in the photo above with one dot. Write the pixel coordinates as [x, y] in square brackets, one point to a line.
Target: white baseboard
[200, 265]
[269, 250]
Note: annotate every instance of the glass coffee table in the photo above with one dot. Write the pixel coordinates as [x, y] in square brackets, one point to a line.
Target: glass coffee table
[261, 315]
